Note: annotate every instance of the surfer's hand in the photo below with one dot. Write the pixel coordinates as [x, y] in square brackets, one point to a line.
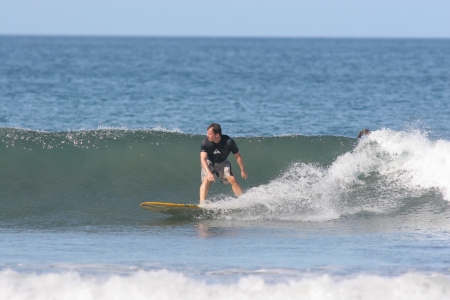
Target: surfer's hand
[211, 177]
[244, 174]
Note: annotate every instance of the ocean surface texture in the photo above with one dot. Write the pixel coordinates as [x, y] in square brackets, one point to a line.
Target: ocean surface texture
[92, 127]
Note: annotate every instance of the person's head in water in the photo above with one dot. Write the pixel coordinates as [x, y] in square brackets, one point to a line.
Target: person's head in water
[364, 133]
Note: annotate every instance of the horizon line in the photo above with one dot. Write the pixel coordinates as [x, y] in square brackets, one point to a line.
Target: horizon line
[217, 36]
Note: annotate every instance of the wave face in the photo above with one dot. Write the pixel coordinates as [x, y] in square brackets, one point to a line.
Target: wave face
[95, 177]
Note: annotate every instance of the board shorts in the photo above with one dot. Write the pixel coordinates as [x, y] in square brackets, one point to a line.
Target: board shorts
[223, 170]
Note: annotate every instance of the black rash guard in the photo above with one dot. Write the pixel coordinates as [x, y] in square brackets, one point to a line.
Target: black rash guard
[219, 152]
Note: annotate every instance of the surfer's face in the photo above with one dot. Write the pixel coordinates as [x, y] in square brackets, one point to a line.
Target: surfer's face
[212, 137]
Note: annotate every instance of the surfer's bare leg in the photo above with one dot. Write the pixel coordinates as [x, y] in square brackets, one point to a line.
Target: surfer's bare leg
[235, 186]
[204, 188]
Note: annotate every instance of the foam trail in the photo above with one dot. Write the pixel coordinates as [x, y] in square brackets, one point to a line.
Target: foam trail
[384, 173]
[164, 284]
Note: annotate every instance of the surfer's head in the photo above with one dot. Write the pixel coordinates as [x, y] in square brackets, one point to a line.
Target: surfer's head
[215, 128]
[214, 133]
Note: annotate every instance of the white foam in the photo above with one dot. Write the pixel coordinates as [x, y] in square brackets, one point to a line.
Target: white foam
[415, 161]
[171, 285]
[163, 129]
[379, 175]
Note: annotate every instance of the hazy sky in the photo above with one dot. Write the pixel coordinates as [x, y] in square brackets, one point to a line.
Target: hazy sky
[273, 18]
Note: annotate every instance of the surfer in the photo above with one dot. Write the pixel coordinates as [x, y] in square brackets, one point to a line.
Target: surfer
[364, 133]
[214, 151]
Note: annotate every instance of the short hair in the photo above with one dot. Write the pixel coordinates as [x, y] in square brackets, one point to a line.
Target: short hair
[216, 128]
[363, 132]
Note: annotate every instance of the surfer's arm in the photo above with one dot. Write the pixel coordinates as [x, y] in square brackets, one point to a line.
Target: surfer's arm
[240, 162]
[204, 164]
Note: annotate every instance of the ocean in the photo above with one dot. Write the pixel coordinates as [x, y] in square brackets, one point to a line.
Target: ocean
[90, 127]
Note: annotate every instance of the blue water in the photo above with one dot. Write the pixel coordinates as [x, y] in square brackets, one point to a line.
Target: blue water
[250, 86]
[93, 126]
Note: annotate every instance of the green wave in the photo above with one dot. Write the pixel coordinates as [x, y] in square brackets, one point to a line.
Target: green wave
[100, 177]
[109, 172]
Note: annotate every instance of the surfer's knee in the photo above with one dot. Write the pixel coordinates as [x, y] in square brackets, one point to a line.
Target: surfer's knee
[232, 180]
[206, 182]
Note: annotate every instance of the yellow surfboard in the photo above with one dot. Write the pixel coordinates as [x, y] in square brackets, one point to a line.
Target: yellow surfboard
[172, 208]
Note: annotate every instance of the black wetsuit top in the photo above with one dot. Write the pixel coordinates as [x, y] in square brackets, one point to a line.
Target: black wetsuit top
[219, 152]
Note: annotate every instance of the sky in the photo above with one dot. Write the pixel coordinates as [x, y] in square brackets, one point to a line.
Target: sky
[228, 18]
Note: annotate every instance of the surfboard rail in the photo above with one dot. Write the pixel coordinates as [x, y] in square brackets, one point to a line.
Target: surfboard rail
[172, 208]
